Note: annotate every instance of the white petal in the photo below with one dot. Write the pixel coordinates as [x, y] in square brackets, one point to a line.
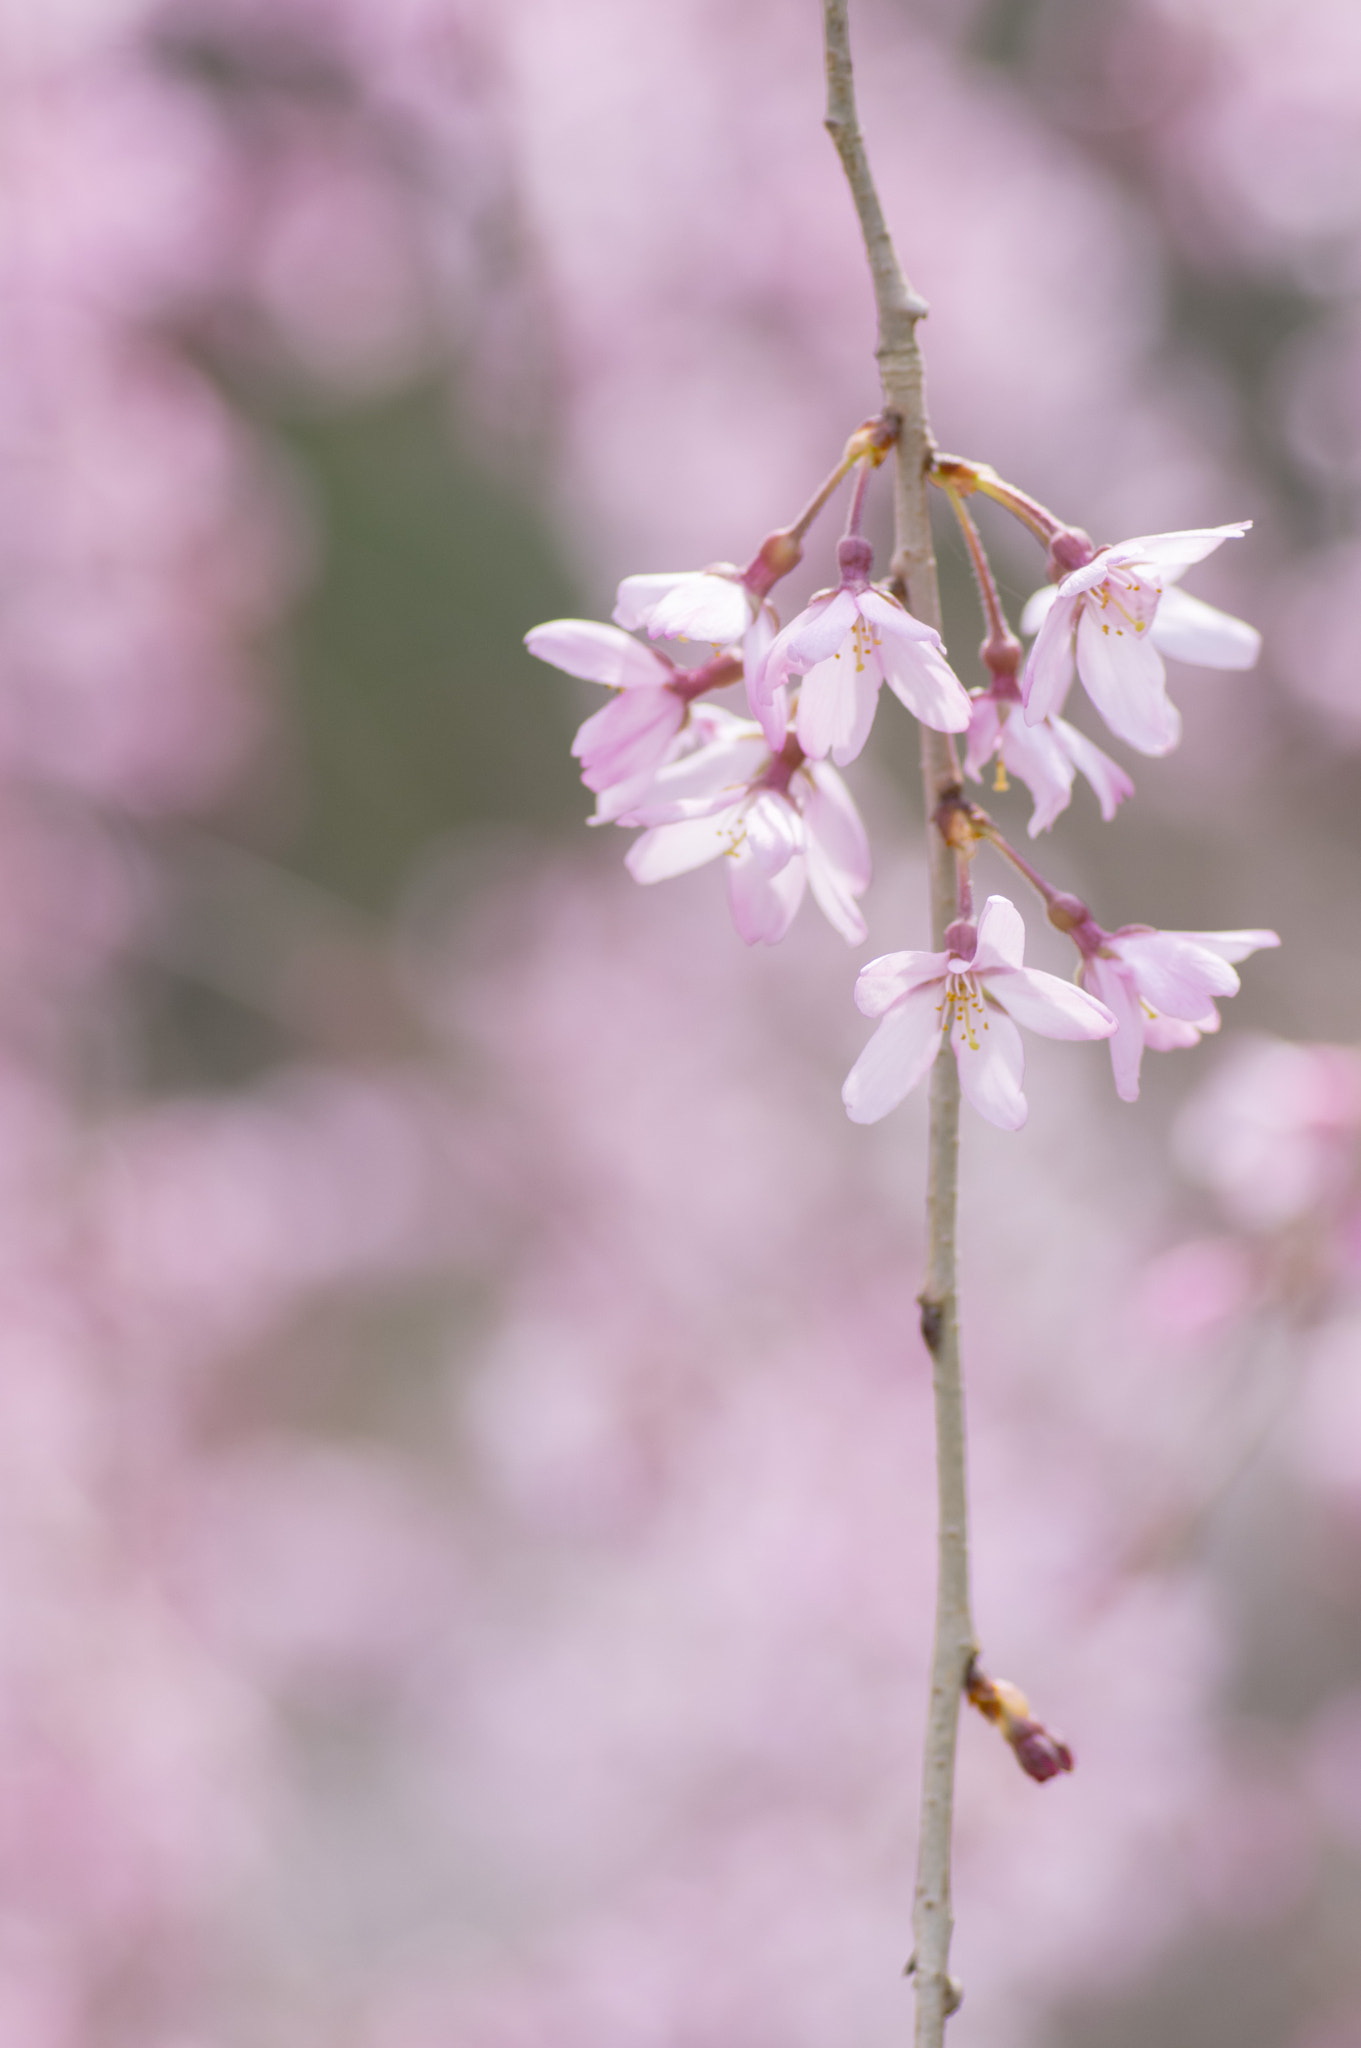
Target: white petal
[896, 1058]
[638, 596]
[892, 620]
[715, 608]
[1124, 676]
[669, 850]
[1191, 631]
[817, 633]
[991, 1062]
[763, 904]
[598, 653]
[1001, 935]
[1048, 1004]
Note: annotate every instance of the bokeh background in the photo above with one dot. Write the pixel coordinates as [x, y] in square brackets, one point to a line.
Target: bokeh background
[465, 1469]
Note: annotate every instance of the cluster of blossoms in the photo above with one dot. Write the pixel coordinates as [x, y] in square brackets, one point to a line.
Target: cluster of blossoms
[764, 793]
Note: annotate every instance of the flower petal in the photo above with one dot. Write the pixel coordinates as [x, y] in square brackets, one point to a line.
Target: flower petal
[1107, 778]
[1173, 973]
[991, 1060]
[899, 1054]
[1124, 676]
[816, 634]
[836, 707]
[598, 653]
[773, 831]
[1001, 936]
[1035, 756]
[1038, 607]
[1113, 984]
[883, 982]
[1233, 945]
[1189, 630]
[1048, 672]
[1173, 553]
[627, 736]
[763, 902]
[692, 604]
[921, 678]
[985, 728]
[835, 826]
[668, 850]
[1048, 1004]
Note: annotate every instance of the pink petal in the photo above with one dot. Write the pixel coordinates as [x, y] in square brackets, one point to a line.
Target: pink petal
[1048, 1004]
[715, 608]
[817, 633]
[893, 621]
[627, 736]
[985, 727]
[1038, 607]
[1034, 755]
[763, 903]
[836, 827]
[1191, 631]
[1110, 781]
[1174, 552]
[598, 653]
[1174, 1034]
[836, 707]
[1001, 935]
[991, 1061]
[773, 832]
[770, 706]
[899, 1054]
[1173, 973]
[1124, 676]
[1113, 984]
[669, 850]
[1233, 945]
[1048, 672]
[893, 976]
[921, 678]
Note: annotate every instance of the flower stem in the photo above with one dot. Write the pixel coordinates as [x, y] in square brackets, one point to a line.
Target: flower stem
[1001, 650]
[913, 577]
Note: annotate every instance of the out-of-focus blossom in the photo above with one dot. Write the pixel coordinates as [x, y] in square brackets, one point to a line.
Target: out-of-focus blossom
[1045, 757]
[783, 823]
[1161, 987]
[846, 644]
[1274, 1130]
[979, 989]
[1111, 618]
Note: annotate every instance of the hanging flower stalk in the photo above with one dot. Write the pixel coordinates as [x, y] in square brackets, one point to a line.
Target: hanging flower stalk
[762, 795]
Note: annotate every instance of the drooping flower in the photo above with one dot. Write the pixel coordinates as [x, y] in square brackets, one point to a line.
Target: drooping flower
[979, 989]
[783, 823]
[1161, 987]
[1114, 618]
[845, 644]
[621, 745]
[718, 604]
[1045, 757]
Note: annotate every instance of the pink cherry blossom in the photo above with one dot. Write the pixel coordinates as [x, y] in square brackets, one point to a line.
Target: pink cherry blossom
[718, 604]
[783, 823]
[621, 745]
[1045, 757]
[844, 646]
[979, 989]
[1161, 987]
[1114, 618]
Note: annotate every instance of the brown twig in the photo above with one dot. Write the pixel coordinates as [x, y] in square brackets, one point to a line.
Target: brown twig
[914, 579]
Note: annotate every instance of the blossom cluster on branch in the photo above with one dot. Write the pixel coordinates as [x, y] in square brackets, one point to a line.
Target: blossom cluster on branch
[764, 793]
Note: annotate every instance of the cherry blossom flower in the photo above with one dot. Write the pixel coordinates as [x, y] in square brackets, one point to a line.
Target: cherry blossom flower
[621, 745]
[979, 989]
[1115, 618]
[717, 604]
[1045, 757]
[1161, 987]
[783, 823]
[844, 646]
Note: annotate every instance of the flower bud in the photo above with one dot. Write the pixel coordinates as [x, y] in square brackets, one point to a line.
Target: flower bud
[1040, 1753]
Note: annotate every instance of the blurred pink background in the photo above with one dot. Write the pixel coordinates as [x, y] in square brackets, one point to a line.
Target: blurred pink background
[465, 1463]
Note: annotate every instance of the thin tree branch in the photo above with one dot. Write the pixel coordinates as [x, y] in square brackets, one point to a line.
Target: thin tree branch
[914, 576]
